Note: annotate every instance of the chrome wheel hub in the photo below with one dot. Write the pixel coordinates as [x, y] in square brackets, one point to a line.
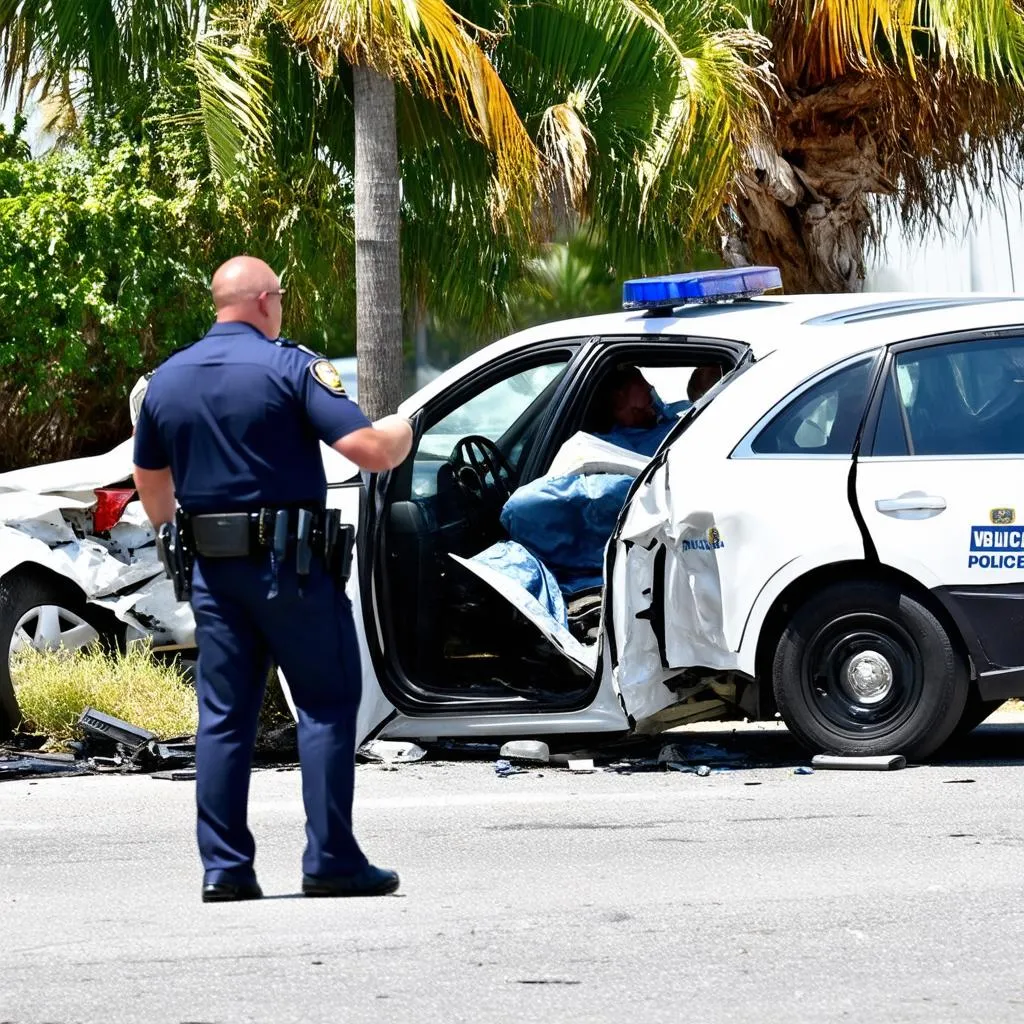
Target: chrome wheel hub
[869, 677]
[48, 627]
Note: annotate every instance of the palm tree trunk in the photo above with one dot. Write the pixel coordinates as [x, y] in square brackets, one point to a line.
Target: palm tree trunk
[818, 246]
[804, 205]
[378, 277]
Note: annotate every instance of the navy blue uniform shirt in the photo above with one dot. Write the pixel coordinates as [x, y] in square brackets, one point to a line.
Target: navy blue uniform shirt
[239, 420]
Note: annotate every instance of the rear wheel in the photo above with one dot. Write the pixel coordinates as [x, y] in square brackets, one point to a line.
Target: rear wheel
[43, 614]
[864, 668]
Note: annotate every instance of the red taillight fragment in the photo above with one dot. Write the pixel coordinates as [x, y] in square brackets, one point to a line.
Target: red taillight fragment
[110, 505]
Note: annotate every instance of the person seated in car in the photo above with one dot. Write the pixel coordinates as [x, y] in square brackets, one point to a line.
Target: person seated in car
[702, 380]
[633, 416]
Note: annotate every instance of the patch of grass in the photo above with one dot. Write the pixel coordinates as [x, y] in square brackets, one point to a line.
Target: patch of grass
[53, 687]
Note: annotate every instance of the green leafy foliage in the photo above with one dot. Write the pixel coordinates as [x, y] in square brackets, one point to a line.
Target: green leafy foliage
[106, 250]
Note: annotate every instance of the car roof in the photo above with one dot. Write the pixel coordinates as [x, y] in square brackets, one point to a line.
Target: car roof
[818, 329]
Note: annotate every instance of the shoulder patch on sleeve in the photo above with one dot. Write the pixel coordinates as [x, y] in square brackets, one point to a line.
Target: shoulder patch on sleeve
[326, 375]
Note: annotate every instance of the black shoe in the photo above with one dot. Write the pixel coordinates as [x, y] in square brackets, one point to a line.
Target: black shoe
[370, 881]
[229, 892]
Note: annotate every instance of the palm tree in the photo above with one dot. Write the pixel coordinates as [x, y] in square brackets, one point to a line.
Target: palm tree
[632, 122]
[880, 108]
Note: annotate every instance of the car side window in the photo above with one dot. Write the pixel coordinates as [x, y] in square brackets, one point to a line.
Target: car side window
[963, 398]
[823, 419]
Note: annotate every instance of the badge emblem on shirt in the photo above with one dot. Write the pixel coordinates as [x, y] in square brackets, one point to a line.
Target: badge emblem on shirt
[325, 374]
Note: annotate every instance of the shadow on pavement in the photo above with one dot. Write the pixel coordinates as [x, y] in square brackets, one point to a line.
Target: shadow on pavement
[998, 743]
[994, 744]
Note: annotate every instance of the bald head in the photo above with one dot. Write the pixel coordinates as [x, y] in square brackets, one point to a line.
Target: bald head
[246, 290]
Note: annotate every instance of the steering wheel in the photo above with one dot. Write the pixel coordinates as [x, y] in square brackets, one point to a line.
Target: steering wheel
[477, 460]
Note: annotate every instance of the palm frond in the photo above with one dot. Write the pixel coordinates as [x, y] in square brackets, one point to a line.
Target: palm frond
[113, 44]
[427, 45]
[567, 145]
[824, 40]
[234, 103]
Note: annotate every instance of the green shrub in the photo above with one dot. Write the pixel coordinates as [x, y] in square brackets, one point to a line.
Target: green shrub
[106, 251]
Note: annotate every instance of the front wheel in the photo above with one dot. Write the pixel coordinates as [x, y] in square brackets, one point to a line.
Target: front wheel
[865, 669]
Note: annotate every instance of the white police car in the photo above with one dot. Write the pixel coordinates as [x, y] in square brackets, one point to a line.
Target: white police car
[829, 533]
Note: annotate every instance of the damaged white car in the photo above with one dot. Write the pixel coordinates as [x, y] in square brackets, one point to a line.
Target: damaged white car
[817, 521]
[78, 564]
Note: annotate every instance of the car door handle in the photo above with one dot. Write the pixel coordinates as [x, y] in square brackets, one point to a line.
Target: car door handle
[911, 503]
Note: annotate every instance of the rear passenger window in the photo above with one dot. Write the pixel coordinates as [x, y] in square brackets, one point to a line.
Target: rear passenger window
[824, 419]
[965, 398]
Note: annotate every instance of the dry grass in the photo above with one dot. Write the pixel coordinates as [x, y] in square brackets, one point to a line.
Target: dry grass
[54, 687]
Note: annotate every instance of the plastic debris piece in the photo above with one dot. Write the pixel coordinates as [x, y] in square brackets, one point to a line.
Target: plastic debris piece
[96, 723]
[581, 764]
[703, 771]
[26, 767]
[885, 763]
[803, 769]
[504, 768]
[178, 775]
[391, 752]
[526, 750]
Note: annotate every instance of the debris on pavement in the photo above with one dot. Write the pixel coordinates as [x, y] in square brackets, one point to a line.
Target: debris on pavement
[505, 768]
[96, 723]
[182, 775]
[581, 764]
[803, 769]
[24, 766]
[883, 763]
[526, 750]
[389, 753]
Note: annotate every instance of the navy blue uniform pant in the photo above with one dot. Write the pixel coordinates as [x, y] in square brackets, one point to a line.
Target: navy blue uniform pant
[312, 638]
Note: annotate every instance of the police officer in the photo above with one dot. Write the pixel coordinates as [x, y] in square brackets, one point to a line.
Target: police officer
[231, 428]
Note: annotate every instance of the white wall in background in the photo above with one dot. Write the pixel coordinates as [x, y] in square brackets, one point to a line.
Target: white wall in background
[983, 254]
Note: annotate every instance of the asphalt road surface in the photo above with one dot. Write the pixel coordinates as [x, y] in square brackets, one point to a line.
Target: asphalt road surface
[755, 894]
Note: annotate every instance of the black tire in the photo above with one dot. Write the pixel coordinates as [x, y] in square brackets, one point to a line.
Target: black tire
[921, 681]
[20, 593]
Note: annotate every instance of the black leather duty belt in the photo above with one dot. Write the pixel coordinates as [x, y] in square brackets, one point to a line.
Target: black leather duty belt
[238, 534]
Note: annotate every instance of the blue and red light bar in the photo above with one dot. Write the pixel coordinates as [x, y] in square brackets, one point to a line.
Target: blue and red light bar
[699, 287]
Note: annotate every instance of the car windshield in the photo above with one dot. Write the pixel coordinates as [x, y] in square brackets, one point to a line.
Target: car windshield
[489, 414]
